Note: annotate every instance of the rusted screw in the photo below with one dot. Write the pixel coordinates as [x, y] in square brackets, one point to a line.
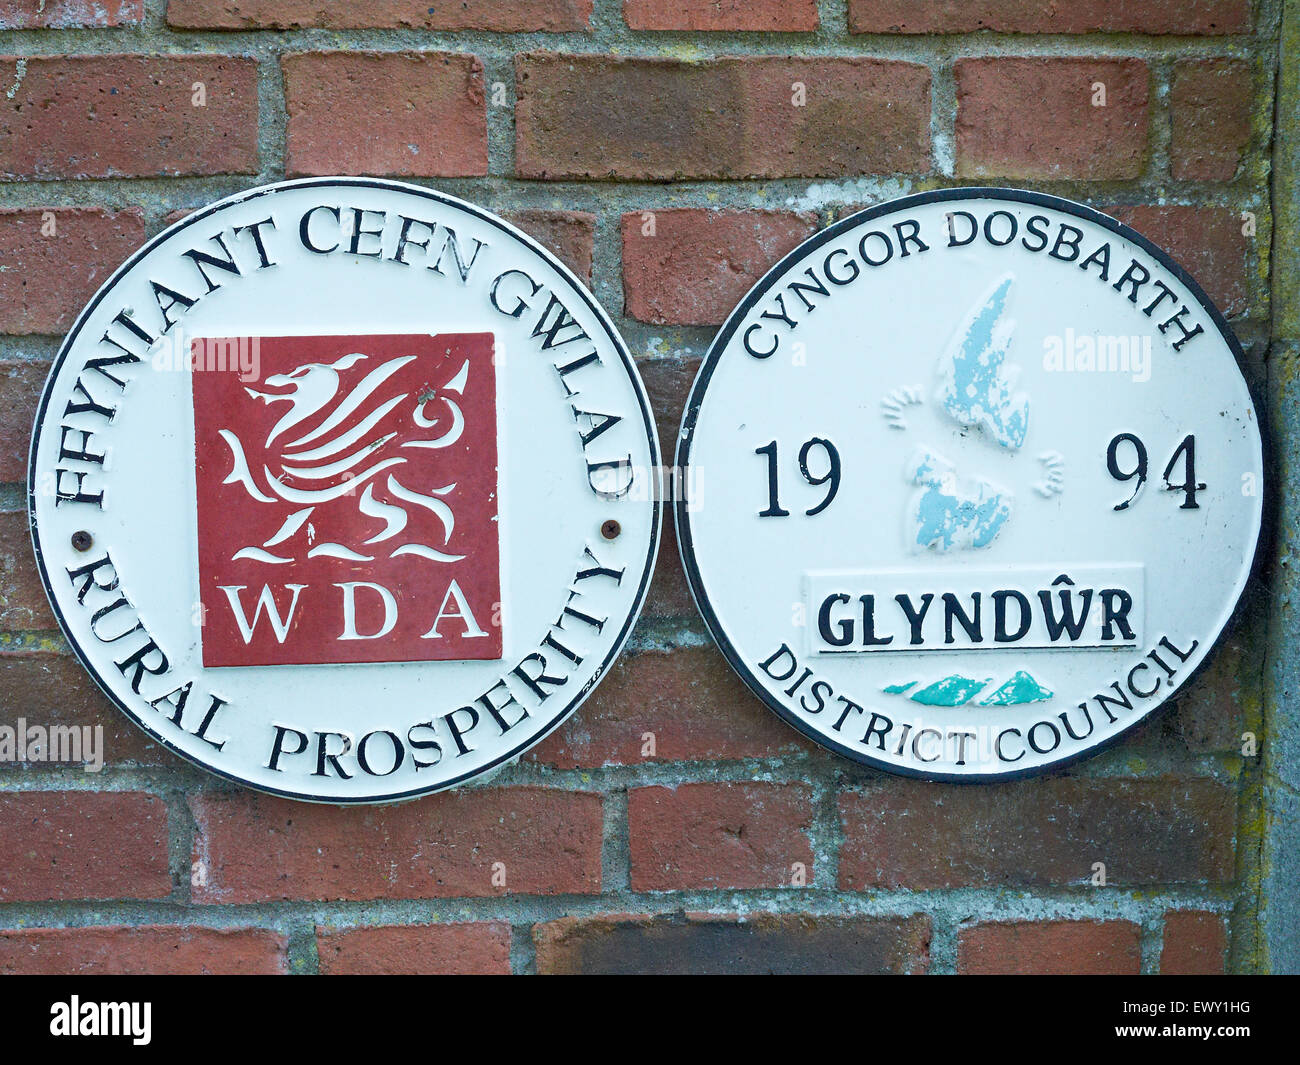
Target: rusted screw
[611, 529]
[82, 541]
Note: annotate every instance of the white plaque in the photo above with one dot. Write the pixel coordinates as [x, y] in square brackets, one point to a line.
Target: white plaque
[972, 483]
[345, 489]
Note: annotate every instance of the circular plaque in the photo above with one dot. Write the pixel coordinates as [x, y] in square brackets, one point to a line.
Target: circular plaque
[972, 483]
[345, 489]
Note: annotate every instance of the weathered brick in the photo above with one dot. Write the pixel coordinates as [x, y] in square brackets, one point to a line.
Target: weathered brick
[719, 836]
[1208, 716]
[251, 848]
[420, 114]
[1040, 833]
[53, 690]
[668, 383]
[1195, 943]
[82, 845]
[687, 702]
[691, 267]
[669, 595]
[1204, 17]
[52, 260]
[21, 382]
[23, 605]
[501, 16]
[727, 944]
[569, 234]
[129, 116]
[476, 949]
[773, 16]
[1034, 118]
[69, 14]
[152, 950]
[1209, 117]
[1050, 948]
[1207, 242]
[718, 118]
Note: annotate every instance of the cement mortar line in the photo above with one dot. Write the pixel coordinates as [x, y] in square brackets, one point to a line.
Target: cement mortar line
[832, 16]
[787, 193]
[825, 835]
[685, 45]
[616, 853]
[792, 767]
[973, 904]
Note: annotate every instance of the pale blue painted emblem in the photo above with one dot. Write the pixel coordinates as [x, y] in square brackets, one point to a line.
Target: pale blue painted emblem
[976, 384]
[945, 514]
[977, 391]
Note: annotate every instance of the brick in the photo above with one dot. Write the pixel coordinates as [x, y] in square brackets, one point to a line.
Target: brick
[1209, 715]
[694, 266]
[1040, 833]
[1207, 242]
[411, 114]
[570, 235]
[1195, 944]
[501, 16]
[718, 836]
[763, 943]
[45, 280]
[21, 382]
[1050, 948]
[481, 948]
[772, 16]
[688, 699]
[718, 118]
[84, 117]
[83, 845]
[1209, 118]
[54, 691]
[1034, 118]
[69, 14]
[147, 950]
[23, 605]
[668, 384]
[670, 594]
[1202, 17]
[253, 848]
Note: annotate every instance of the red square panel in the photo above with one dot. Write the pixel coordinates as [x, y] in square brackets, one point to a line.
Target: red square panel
[347, 498]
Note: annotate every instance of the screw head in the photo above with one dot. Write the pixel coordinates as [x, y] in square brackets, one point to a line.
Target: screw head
[82, 541]
[610, 529]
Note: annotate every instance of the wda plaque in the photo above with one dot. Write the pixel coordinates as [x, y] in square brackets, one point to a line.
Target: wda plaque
[973, 483]
[345, 489]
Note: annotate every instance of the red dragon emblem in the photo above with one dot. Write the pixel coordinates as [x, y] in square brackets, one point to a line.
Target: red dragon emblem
[347, 501]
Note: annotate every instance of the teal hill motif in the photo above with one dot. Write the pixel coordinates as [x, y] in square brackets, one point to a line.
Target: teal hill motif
[957, 690]
[951, 691]
[1021, 688]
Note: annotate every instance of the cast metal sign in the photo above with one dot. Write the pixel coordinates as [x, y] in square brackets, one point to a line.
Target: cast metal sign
[973, 483]
[344, 489]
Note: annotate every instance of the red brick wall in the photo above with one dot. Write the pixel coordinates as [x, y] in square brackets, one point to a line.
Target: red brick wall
[656, 145]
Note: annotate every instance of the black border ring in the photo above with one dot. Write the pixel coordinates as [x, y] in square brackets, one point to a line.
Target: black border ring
[690, 416]
[656, 529]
